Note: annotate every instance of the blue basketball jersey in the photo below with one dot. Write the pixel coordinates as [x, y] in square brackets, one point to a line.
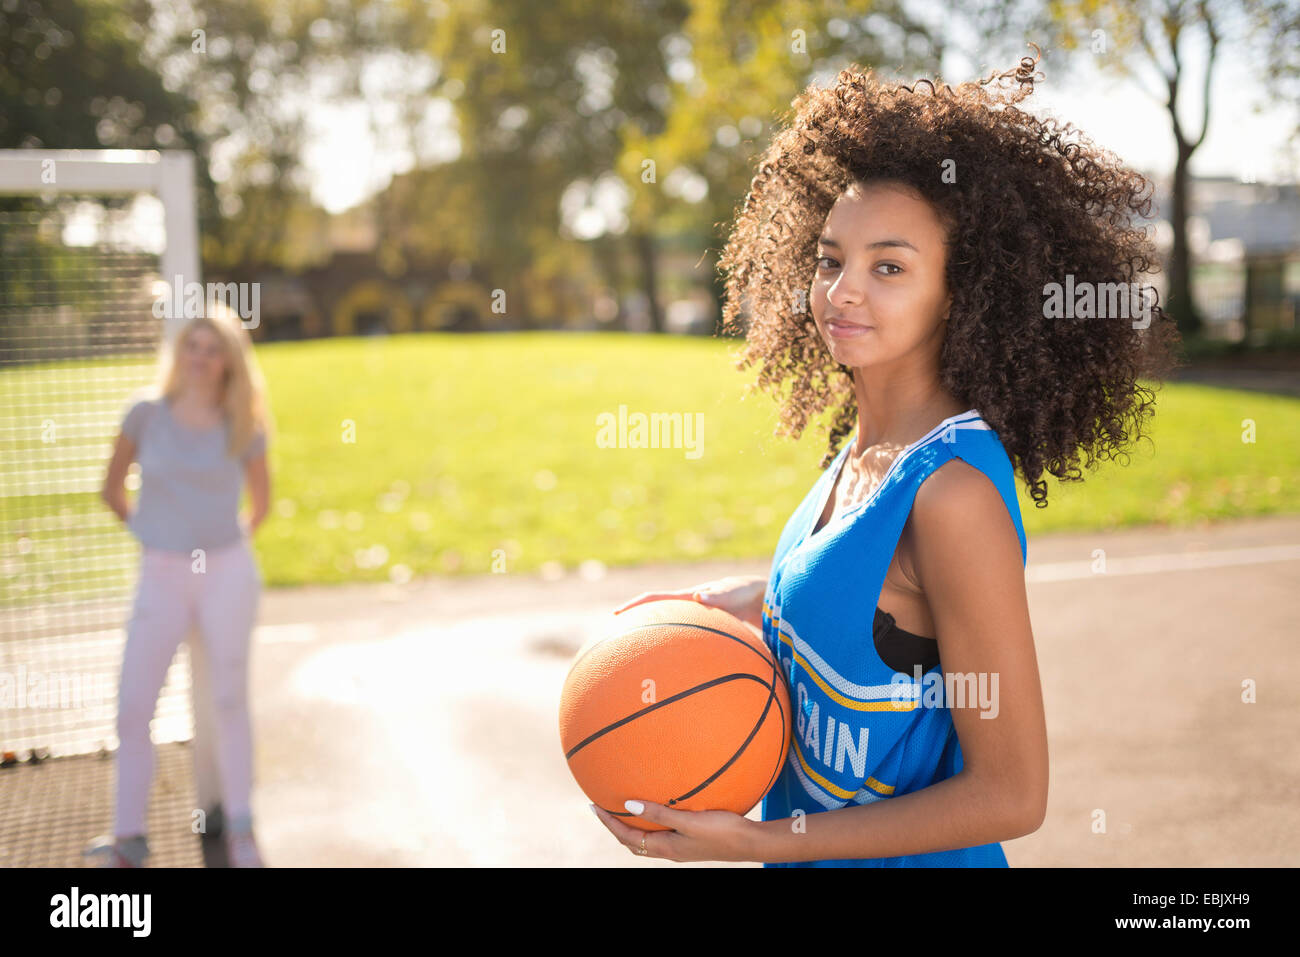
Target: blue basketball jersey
[863, 732]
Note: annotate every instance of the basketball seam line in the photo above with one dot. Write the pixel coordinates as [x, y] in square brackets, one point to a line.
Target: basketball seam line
[771, 696]
[660, 704]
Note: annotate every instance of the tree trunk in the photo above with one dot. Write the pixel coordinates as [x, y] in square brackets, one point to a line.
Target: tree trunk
[1180, 304]
[609, 268]
[647, 256]
[717, 291]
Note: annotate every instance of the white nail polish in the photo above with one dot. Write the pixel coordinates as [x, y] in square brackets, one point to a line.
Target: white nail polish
[636, 807]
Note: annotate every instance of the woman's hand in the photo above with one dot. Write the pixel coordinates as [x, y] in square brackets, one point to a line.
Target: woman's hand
[695, 835]
[739, 595]
[113, 493]
[248, 524]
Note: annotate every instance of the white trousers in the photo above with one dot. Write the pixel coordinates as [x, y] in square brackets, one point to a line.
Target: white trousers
[219, 593]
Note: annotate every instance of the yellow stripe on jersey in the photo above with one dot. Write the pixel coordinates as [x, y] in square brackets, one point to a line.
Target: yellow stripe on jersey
[885, 790]
[882, 700]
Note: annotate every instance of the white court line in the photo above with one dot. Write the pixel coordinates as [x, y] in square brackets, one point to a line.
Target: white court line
[1164, 562]
[302, 632]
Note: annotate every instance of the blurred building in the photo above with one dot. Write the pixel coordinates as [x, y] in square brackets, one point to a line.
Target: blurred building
[353, 295]
[1245, 244]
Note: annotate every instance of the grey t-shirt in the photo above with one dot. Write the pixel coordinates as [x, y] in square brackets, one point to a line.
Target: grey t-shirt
[189, 483]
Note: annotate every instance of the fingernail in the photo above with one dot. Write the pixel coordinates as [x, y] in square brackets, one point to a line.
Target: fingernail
[636, 807]
[593, 811]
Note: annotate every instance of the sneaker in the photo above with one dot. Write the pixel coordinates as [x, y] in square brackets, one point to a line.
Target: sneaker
[109, 851]
[241, 850]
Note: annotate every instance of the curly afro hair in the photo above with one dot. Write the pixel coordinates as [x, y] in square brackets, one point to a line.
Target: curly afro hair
[1031, 204]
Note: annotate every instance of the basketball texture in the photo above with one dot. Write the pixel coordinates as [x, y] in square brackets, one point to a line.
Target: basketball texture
[680, 704]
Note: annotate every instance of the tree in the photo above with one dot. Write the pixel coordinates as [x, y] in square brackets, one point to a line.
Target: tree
[172, 74]
[71, 77]
[540, 93]
[570, 93]
[1133, 35]
[735, 67]
[255, 69]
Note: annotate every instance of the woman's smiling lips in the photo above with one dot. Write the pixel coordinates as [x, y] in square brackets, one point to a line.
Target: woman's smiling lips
[846, 330]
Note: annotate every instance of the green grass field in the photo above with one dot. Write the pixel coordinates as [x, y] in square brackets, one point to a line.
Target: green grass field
[479, 453]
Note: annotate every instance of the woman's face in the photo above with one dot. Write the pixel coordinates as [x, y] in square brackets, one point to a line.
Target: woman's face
[203, 359]
[879, 290]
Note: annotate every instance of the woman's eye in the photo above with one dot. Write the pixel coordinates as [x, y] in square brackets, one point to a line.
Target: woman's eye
[830, 263]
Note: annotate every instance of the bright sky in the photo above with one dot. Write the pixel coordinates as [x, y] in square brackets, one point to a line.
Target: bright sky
[1124, 116]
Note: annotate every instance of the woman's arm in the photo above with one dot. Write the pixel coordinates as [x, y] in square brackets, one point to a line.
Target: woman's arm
[259, 489]
[968, 559]
[113, 491]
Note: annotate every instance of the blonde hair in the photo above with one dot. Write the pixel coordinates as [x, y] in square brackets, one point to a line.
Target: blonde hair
[243, 395]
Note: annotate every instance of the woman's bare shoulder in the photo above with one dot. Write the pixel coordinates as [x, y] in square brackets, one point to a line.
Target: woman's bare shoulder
[959, 504]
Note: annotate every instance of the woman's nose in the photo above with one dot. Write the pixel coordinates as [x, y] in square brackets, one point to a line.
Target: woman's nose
[842, 295]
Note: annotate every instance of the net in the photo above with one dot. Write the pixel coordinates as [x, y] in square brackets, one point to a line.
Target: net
[77, 338]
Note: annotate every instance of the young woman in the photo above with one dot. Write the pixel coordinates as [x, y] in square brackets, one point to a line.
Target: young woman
[198, 438]
[925, 229]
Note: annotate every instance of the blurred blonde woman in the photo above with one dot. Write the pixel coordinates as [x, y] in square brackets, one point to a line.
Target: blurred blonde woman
[198, 434]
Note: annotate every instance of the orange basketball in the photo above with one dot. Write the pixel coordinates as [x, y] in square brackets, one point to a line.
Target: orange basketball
[681, 704]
